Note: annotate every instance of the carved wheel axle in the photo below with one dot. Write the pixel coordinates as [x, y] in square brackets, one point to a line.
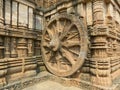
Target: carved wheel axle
[64, 45]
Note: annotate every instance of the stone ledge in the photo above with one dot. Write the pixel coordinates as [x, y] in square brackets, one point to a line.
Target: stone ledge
[44, 76]
[34, 34]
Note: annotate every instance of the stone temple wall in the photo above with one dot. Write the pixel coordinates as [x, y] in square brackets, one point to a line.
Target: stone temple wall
[21, 27]
[102, 19]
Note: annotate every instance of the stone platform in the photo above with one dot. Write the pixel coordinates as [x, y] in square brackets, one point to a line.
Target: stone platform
[47, 81]
[50, 85]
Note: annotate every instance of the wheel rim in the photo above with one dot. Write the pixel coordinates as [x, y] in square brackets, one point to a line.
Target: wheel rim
[64, 45]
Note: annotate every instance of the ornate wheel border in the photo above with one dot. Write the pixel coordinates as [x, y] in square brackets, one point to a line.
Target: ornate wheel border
[84, 45]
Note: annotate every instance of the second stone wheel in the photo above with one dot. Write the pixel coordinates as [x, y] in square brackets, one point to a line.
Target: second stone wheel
[64, 45]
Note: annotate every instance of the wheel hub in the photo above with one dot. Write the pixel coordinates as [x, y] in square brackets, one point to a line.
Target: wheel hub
[55, 43]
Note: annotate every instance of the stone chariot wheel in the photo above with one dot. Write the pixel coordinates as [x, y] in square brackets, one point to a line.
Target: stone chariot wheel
[64, 45]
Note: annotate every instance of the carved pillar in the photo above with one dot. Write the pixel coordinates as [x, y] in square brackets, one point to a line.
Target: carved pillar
[13, 48]
[37, 48]
[22, 47]
[7, 47]
[3, 63]
[100, 62]
[1, 48]
[89, 13]
[30, 47]
[81, 10]
[98, 10]
[1, 12]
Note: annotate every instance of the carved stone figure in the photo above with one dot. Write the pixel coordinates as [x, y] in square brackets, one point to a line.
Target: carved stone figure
[7, 47]
[13, 48]
[30, 48]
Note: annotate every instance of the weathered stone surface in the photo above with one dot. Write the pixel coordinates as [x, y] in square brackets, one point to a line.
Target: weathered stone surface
[102, 21]
[64, 45]
[1, 13]
[80, 40]
[17, 37]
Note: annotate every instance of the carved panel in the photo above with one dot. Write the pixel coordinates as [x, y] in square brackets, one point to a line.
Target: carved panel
[89, 13]
[30, 47]
[7, 47]
[14, 13]
[22, 47]
[30, 17]
[38, 22]
[98, 11]
[37, 45]
[13, 47]
[1, 8]
[1, 48]
[7, 11]
[23, 15]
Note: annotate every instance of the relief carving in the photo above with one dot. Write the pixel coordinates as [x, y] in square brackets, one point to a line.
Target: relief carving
[7, 47]
[69, 26]
[37, 48]
[22, 47]
[63, 47]
[13, 48]
[1, 48]
[30, 47]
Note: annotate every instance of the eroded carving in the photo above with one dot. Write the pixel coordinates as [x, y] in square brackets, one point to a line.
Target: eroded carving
[64, 45]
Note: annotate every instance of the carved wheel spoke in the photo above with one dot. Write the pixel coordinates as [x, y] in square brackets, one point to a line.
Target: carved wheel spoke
[68, 56]
[45, 44]
[50, 33]
[62, 45]
[70, 43]
[65, 31]
[58, 58]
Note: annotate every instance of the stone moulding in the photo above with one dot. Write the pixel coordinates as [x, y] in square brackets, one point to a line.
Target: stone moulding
[25, 67]
[20, 33]
[21, 84]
